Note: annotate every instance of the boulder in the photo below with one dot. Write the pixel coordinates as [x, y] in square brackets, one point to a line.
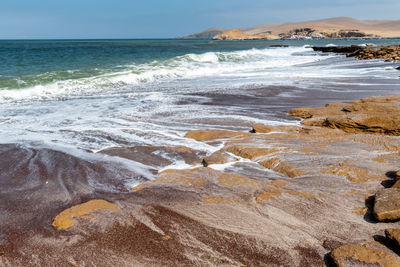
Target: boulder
[387, 204]
[369, 254]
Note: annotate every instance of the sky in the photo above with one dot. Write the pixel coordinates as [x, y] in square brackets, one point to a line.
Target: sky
[55, 19]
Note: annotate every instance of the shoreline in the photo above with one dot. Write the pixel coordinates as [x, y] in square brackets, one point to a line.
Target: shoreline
[308, 196]
[270, 195]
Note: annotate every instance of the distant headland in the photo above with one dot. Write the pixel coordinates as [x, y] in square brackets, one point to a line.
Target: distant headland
[332, 28]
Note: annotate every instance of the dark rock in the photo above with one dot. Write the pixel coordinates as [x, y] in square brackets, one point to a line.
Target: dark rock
[337, 49]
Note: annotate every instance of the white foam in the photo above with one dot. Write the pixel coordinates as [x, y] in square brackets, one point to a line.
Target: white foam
[186, 66]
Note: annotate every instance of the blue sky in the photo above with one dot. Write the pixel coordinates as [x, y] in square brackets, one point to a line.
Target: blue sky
[168, 18]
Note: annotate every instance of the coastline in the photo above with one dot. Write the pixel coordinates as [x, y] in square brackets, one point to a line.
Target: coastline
[315, 200]
[296, 194]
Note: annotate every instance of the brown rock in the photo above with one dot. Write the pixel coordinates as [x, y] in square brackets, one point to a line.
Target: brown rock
[364, 255]
[156, 156]
[218, 157]
[212, 134]
[393, 234]
[374, 115]
[352, 173]
[387, 204]
[260, 128]
[396, 184]
[277, 165]
[64, 220]
[249, 152]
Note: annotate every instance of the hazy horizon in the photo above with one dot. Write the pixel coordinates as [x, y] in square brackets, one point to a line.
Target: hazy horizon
[122, 19]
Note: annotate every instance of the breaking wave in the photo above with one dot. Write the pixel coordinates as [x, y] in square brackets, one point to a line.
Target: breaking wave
[86, 82]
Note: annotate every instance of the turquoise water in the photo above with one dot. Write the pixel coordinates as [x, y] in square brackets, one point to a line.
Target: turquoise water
[26, 64]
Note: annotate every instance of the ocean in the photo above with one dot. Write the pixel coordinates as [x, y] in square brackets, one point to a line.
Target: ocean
[83, 96]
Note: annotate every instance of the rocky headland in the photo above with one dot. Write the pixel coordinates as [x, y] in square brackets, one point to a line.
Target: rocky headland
[321, 193]
[332, 28]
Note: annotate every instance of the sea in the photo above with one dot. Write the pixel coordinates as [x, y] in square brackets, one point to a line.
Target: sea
[83, 96]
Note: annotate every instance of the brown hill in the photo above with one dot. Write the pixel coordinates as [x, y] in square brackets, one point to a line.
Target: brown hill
[237, 34]
[341, 27]
[331, 28]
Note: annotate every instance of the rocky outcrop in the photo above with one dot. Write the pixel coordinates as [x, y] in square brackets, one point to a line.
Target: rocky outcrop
[249, 212]
[390, 53]
[387, 204]
[338, 49]
[369, 254]
[380, 115]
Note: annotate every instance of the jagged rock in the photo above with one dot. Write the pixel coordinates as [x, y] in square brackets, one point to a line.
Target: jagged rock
[218, 157]
[369, 254]
[387, 204]
[374, 115]
[393, 234]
